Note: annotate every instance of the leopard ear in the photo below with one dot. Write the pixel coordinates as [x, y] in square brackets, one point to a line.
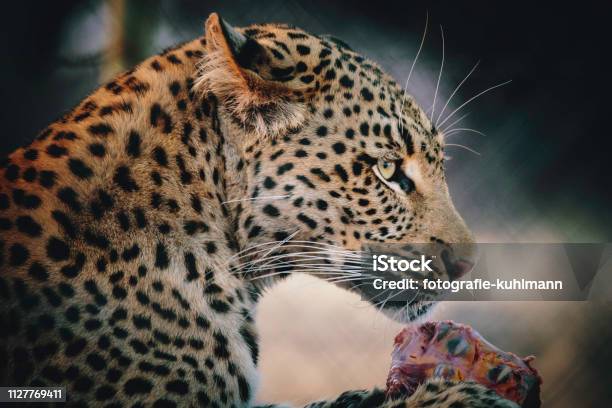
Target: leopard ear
[238, 70]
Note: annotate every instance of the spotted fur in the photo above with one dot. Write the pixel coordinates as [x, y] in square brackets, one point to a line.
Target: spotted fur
[122, 223]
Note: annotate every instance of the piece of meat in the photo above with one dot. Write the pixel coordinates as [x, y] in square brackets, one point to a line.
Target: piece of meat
[457, 352]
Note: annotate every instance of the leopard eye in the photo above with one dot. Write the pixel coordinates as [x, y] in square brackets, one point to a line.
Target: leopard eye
[390, 172]
[386, 168]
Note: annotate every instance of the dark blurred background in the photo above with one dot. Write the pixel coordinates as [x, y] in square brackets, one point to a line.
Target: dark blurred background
[547, 150]
[542, 172]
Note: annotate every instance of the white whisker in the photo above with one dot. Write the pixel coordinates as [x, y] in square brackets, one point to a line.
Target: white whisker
[344, 280]
[318, 267]
[305, 254]
[352, 270]
[273, 197]
[306, 244]
[433, 106]
[382, 304]
[463, 147]
[306, 260]
[280, 244]
[277, 246]
[301, 262]
[377, 296]
[305, 270]
[454, 123]
[455, 91]
[416, 58]
[472, 98]
[459, 130]
[236, 255]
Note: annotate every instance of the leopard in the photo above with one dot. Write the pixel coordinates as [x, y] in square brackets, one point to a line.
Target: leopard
[139, 231]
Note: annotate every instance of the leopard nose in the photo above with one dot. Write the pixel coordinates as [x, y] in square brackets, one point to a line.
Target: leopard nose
[460, 268]
[455, 268]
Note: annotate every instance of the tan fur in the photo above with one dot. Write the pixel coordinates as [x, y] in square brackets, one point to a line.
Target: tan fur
[244, 93]
[128, 226]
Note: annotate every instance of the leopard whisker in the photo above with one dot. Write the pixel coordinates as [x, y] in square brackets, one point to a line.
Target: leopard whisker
[313, 251]
[352, 268]
[447, 127]
[306, 244]
[267, 257]
[345, 280]
[463, 147]
[309, 271]
[310, 259]
[455, 91]
[273, 197]
[388, 298]
[323, 267]
[459, 130]
[312, 255]
[433, 106]
[239, 254]
[381, 303]
[414, 61]
[473, 98]
[275, 243]
[281, 243]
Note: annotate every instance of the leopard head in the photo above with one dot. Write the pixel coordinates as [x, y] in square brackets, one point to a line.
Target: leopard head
[335, 159]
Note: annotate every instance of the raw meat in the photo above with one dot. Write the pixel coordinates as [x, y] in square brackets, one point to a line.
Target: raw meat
[457, 352]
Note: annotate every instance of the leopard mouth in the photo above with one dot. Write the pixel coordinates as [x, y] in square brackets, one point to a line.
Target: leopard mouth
[402, 307]
[408, 312]
[403, 304]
